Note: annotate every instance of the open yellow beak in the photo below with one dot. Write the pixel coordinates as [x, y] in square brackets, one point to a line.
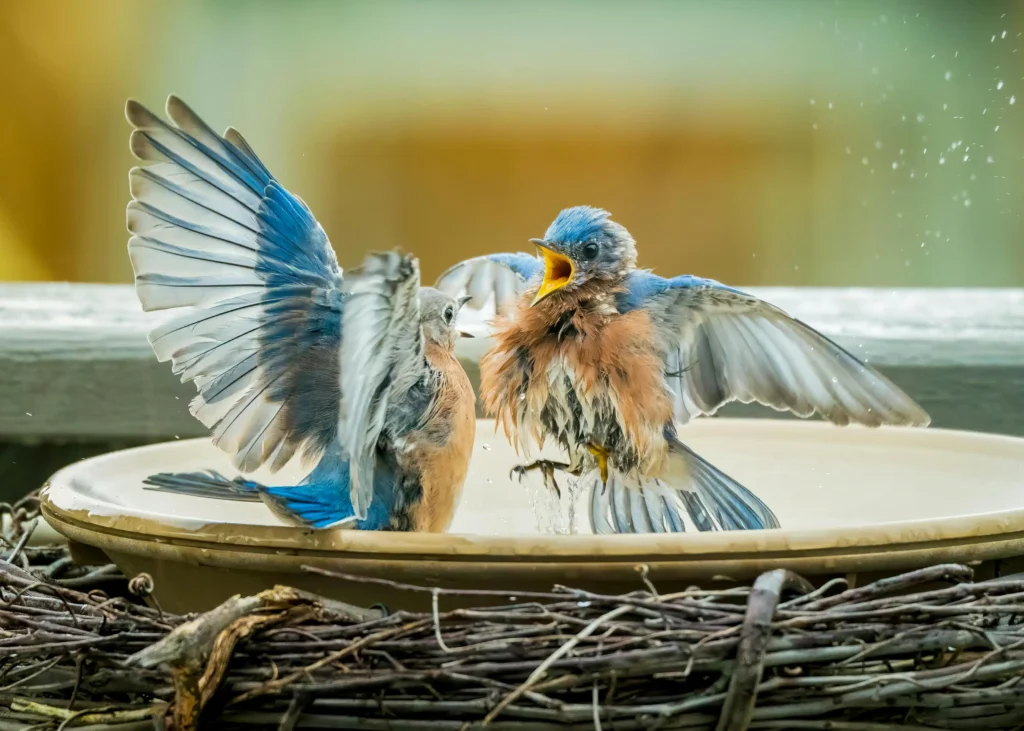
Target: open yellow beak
[558, 271]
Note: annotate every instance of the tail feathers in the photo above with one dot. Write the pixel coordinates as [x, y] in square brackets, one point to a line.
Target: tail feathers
[209, 484]
[693, 492]
[731, 505]
[628, 505]
[315, 505]
[310, 506]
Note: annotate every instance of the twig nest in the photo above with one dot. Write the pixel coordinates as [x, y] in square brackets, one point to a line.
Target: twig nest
[141, 585]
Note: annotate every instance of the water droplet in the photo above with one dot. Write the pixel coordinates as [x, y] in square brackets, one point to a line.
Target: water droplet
[863, 161]
[1003, 34]
[812, 102]
[1013, 99]
[949, 75]
[920, 117]
[942, 161]
[989, 160]
[895, 164]
[28, 413]
[993, 40]
[996, 129]
[512, 598]
[848, 150]
[796, 267]
[814, 125]
[967, 202]
[925, 151]
[966, 158]
[583, 605]
[176, 436]
[878, 144]
[486, 447]
[999, 85]
[922, 244]
[945, 107]
[835, 380]
[830, 105]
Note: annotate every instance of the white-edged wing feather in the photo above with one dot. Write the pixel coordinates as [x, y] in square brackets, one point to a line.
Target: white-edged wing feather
[382, 358]
[494, 281]
[721, 345]
[254, 277]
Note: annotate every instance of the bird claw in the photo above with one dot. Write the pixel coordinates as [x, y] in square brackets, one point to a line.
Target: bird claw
[602, 462]
[547, 469]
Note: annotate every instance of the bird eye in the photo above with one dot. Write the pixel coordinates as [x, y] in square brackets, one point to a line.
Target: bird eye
[590, 251]
[449, 313]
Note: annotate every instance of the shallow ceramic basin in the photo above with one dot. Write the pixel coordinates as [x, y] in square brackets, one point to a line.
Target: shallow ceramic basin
[853, 502]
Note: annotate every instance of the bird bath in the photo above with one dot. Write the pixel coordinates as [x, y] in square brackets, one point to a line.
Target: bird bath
[854, 502]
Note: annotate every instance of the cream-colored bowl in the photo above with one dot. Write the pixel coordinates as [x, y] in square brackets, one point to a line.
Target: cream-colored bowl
[852, 501]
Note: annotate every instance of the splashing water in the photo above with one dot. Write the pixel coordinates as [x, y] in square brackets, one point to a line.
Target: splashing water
[554, 515]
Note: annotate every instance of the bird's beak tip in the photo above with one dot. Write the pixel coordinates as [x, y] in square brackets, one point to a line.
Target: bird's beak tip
[464, 334]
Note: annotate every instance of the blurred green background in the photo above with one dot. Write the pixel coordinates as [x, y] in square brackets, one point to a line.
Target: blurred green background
[783, 143]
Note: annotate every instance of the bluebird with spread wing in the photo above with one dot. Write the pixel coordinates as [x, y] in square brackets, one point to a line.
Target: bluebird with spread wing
[606, 359]
[355, 374]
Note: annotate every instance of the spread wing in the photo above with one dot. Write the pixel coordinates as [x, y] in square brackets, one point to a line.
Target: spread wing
[721, 345]
[382, 361]
[494, 281]
[215, 235]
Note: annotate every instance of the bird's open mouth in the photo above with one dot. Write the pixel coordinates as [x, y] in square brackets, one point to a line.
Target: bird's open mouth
[558, 271]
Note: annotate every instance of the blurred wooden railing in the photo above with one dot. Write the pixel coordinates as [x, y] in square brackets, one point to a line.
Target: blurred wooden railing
[77, 375]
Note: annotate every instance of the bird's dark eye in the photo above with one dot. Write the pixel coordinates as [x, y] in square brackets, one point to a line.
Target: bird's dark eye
[449, 313]
[590, 251]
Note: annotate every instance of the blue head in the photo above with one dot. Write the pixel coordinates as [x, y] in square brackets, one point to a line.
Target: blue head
[583, 244]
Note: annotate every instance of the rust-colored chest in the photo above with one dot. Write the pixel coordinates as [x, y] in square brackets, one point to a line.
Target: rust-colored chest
[577, 374]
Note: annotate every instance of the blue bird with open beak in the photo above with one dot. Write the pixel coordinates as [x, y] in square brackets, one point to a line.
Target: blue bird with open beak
[606, 359]
[354, 373]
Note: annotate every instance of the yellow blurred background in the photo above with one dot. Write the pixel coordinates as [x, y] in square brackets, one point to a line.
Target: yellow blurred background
[791, 142]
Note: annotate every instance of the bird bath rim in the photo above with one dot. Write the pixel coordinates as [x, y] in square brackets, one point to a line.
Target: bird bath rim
[69, 509]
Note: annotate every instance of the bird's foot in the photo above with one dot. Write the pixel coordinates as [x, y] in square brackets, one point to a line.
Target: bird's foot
[547, 469]
[602, 462]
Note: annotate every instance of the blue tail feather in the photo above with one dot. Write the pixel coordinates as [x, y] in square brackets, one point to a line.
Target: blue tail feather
[321, 500]
[315, 505]
[209, 484]
[732, 506]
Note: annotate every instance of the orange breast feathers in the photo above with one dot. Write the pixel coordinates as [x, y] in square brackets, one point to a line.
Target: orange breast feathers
[609, 356]
[442, 449]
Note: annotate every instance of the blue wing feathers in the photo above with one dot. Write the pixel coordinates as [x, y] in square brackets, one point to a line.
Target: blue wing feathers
[267, 337]
[642, 285]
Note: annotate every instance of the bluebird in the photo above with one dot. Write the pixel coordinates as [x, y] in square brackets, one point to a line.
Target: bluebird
[354, 374]
[606, 359]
